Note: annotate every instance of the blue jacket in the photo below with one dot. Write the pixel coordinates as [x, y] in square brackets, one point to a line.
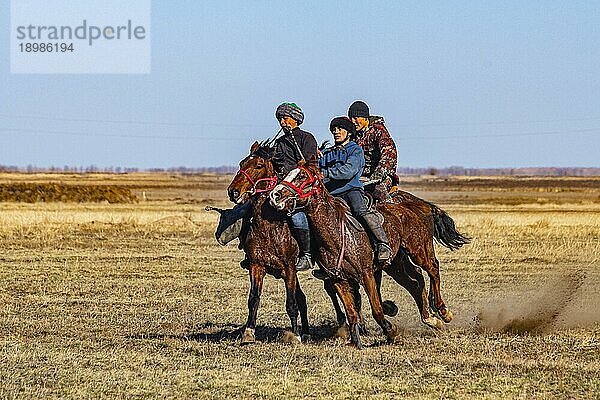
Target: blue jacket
[342, 167]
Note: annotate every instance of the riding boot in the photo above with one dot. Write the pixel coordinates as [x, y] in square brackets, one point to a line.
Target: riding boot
[384, 251]
[303, 238]
[245, 263]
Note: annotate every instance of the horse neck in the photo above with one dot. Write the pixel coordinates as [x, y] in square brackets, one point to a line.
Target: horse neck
[257, 202]
[269, 169]
[324, 213]
[262, 212]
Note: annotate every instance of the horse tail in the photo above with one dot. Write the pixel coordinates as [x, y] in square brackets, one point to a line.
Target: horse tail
[445, 231]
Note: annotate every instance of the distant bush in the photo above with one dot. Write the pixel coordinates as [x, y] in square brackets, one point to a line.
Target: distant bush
[57, 192]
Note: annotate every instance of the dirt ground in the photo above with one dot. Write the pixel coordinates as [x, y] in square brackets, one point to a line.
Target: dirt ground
[137, 300]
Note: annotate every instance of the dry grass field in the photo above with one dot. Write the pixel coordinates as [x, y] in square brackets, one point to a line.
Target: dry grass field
[137, 300]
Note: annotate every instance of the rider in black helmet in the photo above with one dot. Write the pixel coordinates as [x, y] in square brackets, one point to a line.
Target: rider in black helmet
[342, 166]
[381, 155]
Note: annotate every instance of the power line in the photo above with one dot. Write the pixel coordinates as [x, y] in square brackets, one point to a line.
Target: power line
[229, 125]
[81, 134]
[225, 139]
[133, 122]
[424, 125]
[542, 133]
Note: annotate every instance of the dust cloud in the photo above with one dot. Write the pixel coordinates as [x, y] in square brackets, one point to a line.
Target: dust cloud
[570, 301]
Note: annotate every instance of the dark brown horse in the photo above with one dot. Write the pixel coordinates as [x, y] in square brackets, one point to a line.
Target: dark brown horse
[302, 188]
[410, 232]
[269, 245]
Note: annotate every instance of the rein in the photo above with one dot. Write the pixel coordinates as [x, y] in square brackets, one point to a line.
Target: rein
[338, 267]
[271, 182]
[300, 194]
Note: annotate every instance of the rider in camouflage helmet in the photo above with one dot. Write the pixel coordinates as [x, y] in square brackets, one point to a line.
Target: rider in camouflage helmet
[293, 146]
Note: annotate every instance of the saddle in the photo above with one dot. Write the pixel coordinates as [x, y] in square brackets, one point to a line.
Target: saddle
[355, 223]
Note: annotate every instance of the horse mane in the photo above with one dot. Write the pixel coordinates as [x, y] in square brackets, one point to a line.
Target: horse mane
[264, 150]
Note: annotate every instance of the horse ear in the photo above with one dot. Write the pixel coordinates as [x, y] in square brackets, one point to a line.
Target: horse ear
[254, 147]
[313, 161]
[302, 163]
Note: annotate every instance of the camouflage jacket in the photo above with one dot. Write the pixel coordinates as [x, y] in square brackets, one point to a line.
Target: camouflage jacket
[381, 156]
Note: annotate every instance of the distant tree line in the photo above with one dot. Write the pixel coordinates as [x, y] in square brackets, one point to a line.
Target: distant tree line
[32, 169]
[526, 171]
[228, 169]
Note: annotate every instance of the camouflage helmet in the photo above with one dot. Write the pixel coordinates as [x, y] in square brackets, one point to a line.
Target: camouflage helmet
[290, 110]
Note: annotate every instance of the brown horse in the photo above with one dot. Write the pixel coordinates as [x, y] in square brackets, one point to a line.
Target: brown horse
[411, 236]
[269, 245]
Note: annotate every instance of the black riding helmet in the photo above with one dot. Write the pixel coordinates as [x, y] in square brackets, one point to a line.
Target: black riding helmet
[344, 123]
[358, 109]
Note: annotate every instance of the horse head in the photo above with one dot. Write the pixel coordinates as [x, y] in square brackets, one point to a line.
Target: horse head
[255, 175]
[298, 188]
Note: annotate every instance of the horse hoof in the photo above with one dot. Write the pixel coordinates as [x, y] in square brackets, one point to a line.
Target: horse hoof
[342, 331]
[357, 346]
[355, 337]
[389, 308]
[248, 337]
[392, 333]
[434, 323]
[290, 337]
[305, 338]
[446, 315]
[362, 329]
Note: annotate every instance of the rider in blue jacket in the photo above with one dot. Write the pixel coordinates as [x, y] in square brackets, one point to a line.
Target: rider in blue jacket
[341, 166]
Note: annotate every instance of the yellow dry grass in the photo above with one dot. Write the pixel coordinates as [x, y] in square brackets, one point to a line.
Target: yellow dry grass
[138, 301]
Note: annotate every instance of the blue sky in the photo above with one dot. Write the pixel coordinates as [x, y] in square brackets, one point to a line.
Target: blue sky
[473, 84]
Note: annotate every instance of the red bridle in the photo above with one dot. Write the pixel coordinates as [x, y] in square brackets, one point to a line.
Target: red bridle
[271, 182]
[312, 179]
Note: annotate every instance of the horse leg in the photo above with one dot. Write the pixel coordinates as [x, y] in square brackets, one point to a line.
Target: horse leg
[390, 329]
[301, 301]
[434, 282]
[332, 293]
[362, 325]
[430, 264]
[409, 277]
[291, 306]
[257, 275]
[389, 307]
[346, 295]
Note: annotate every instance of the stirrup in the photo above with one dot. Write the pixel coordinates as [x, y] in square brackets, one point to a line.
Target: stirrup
[303, 263]
[384, 252]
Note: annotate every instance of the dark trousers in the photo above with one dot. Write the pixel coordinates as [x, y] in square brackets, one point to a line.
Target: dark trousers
[356, 200]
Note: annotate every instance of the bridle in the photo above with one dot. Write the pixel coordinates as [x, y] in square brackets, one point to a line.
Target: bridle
[299, 191]
[271, 182]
